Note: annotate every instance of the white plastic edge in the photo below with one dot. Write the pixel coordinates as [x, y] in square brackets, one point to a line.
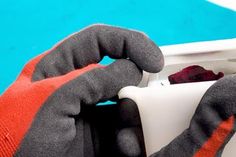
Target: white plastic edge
[199, 47]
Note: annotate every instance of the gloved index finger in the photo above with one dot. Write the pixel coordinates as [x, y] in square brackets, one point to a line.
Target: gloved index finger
[93, 43]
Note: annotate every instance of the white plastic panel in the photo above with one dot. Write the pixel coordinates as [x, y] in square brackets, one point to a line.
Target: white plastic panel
[166, 110]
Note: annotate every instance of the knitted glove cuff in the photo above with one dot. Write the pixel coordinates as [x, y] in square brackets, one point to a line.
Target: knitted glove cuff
[7, 144]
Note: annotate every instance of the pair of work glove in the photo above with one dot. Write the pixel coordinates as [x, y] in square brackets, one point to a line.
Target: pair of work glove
[50, 111]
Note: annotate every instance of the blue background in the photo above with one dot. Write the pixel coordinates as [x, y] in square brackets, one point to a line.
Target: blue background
[28, 27]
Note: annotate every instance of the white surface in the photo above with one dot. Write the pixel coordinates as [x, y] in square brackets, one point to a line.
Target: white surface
[230, 4]
[199, 47]
[219, 56]
[199, 51]
[166, 110]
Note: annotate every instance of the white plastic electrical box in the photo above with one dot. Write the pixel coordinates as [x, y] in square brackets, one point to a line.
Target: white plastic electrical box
[166, 110]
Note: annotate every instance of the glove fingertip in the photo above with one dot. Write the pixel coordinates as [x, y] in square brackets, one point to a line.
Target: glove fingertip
[128, 72]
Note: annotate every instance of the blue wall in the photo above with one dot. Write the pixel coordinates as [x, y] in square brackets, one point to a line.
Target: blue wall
[28, 27]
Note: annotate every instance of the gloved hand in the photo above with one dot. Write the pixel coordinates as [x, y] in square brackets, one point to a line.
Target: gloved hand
[43, 114]
[212, 125]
